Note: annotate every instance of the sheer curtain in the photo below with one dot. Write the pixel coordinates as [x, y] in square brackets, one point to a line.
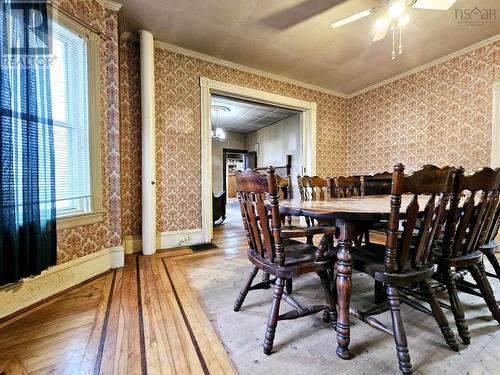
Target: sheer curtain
[27, 192]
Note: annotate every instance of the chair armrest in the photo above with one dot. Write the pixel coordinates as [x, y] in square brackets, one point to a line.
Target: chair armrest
[307, 232]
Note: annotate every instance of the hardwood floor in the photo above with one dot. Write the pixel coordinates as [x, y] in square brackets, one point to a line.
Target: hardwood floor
[143, 318]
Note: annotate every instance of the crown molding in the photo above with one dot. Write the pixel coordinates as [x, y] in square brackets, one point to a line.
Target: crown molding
[201, 56]
[111, 5]
[460, 52]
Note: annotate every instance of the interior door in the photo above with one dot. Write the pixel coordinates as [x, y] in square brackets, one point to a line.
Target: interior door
[251, 160]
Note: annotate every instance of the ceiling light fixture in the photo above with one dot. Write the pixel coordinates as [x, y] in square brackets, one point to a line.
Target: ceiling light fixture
[219, 134]
[354, 17]
[396, 9]
[395, 16]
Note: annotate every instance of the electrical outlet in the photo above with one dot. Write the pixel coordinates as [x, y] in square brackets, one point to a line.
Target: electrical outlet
[184, 240]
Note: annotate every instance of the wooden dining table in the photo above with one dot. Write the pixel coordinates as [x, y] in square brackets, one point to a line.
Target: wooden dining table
[351, 216]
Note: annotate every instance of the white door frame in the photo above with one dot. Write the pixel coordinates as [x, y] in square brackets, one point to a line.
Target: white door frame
[495, 127]
[209, 87]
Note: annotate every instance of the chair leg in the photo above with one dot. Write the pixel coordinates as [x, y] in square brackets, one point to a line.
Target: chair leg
[272, 320]
[482, 270]
[308, 221]
[439, 315]
[288, 286]
[246, 287]
[265, 279]
[486, 291]
[494, 262]
[380, 295]
[456, 307]
[399, 331]
[330, 314]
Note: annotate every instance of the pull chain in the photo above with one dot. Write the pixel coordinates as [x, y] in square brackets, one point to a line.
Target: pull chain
[393, 43]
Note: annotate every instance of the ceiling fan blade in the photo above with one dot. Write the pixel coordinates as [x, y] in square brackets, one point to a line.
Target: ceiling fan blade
[299, 13]
[381, 32]
[434, 4]
[352, 18]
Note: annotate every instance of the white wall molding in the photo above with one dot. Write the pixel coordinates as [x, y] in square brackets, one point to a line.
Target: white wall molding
[117, 255]
[214, 60]
[111, 5]
[209, 87]
[148, 143]
[460, 52]
[57, 279]
[495, 127]
[166, 240]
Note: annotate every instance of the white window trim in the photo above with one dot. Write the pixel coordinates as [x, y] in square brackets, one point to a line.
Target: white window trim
[94, 107]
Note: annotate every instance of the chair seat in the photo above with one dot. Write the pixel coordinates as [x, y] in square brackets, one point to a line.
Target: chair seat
[490, 246]
[461, 261]
[299, 258]
[370, 260]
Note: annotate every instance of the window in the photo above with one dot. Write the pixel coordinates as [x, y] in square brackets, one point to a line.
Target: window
[74, 86]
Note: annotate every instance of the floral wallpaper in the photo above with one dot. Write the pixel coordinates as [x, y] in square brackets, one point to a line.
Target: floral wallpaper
[130, 112]
[79, 241]
[178, 138]
[441, 115]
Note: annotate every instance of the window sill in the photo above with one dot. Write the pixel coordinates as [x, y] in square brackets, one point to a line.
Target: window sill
[76, 220]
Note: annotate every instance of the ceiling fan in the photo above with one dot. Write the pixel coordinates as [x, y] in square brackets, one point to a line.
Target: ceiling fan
[394, 13]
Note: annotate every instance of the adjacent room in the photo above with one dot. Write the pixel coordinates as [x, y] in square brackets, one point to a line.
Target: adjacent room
[251, 135]
[249, 187]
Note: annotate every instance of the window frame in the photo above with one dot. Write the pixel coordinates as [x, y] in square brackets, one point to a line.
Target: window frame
[96, 212]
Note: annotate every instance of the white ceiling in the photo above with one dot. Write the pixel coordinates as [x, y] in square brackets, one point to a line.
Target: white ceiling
[265, 35]
[244, 116]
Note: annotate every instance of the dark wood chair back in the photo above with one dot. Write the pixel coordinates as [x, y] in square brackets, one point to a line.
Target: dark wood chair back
[432, 184]
[470, 226]
[284, 187]
[350, 186]
[313, 188]
[378, 184]
[253, 189]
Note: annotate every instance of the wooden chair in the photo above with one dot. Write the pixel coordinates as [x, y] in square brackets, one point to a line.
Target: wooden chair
[467, 228]
[491, 245]
[405, 259]
[274, 251]
[378, 184]
[352, 186]
[284, 187]
[314, 188]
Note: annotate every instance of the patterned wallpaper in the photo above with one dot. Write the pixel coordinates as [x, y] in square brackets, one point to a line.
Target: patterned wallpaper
[178, 135]
[440, 115]
[76, 242]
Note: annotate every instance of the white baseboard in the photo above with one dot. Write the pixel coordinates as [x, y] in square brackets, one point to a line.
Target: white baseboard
[56, 279]
[117, 254]
[165, 240]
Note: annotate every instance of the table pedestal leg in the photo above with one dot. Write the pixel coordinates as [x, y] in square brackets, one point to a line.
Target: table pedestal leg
[344, 286]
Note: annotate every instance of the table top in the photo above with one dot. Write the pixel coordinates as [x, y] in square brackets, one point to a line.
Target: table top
[373, 207]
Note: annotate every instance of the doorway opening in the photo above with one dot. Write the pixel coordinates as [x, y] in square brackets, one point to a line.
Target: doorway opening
[259, 138]
[248, 134]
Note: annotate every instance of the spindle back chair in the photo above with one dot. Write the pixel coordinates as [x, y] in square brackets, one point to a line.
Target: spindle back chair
[406, 257]
[267, 242]
[351, 186]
